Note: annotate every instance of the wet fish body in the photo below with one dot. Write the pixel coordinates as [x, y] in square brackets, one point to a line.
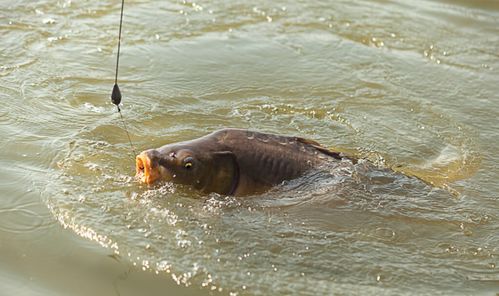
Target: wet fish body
[233, 161]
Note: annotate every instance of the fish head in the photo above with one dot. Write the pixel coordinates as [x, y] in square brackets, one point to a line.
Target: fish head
[203, 168]
[169, 163]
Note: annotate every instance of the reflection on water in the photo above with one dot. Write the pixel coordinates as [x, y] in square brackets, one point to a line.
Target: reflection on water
[290, 234]
[406, 86]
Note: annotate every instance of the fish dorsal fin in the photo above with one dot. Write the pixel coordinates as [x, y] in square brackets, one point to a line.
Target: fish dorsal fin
[318, 147]
[308, 142]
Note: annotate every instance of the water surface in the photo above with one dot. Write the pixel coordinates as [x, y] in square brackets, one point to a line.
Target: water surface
[410, 86]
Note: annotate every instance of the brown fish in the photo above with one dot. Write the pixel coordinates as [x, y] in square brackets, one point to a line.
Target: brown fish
[232, 161]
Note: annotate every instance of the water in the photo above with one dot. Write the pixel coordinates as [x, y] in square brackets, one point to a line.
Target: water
[410, 86]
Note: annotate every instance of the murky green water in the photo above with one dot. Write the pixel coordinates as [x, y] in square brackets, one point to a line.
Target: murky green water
[408, 85]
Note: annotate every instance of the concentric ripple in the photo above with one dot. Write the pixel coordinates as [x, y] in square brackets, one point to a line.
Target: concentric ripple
[312, 234]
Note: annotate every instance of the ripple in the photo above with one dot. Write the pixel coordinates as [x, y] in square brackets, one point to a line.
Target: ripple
[292, 232]
[331, 72]
[8, 69]
[22, 220]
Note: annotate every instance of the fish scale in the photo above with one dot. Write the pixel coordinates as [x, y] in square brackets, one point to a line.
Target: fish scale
[233, 161]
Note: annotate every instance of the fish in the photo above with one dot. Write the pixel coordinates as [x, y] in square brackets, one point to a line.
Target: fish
[232, 161]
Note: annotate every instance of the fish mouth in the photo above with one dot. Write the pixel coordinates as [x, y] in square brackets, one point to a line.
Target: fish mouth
[146, 171]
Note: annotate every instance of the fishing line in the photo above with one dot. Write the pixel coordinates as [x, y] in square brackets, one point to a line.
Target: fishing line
[116, 94]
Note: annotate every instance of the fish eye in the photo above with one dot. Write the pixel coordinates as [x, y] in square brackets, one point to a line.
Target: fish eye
[188, 162]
